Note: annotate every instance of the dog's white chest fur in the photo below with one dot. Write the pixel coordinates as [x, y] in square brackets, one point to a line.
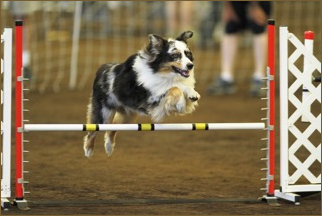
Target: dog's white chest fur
[157, 83]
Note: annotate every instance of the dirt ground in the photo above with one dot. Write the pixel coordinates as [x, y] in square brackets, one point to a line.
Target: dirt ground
[151, 173]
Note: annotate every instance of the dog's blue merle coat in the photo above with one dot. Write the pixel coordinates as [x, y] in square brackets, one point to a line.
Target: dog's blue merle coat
[157, 81]
[125, 88]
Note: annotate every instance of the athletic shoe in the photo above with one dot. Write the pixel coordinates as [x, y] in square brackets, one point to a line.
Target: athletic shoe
[221, 87]
[27, 72]
[256, 88]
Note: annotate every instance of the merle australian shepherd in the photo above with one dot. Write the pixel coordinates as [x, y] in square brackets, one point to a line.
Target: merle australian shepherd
[157, 81]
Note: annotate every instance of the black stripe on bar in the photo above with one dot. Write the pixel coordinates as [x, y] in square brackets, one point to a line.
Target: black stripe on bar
[139, 127]
[193, 126]
[152, 127]
[84, 127]
[97, 127]
[207, 126]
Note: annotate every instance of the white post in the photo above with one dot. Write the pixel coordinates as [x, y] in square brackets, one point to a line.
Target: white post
[76, 33]
[283, 40]
[6, 95]
[307, 76]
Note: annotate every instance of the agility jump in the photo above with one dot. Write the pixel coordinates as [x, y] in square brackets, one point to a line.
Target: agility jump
[268, 125]
[21, 127]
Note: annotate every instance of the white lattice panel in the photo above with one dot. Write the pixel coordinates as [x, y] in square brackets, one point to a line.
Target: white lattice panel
[302, 137]
[300, 118]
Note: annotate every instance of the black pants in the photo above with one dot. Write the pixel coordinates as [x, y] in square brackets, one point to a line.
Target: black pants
[241, 10]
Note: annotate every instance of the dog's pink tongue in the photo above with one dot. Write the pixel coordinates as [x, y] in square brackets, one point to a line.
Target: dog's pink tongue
[185, 73]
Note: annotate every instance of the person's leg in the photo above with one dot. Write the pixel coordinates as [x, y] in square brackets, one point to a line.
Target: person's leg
[186, 12]
[260, 55]
[229, 46]
[258, 14]
[171, 17]
[233, 24]
[224, 84]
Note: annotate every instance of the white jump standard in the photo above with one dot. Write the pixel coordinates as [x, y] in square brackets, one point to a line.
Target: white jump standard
[6, 96]
[290, 184]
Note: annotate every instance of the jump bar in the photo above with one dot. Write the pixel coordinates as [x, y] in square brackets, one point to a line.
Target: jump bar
[143, 127]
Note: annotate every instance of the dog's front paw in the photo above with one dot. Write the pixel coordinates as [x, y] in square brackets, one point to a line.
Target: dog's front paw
[193, 95]
[193, 99]
[181, 105]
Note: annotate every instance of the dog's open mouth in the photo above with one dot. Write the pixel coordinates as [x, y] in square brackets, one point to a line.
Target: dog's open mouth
[184, 73]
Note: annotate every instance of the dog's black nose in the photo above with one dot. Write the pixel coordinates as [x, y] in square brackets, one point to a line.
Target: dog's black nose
[189, 66]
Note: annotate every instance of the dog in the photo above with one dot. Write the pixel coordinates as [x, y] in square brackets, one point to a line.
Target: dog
[157, 81]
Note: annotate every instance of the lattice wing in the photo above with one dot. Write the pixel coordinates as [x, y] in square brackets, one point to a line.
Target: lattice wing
[302, 136]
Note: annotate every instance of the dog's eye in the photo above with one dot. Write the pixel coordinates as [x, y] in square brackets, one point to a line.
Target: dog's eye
[176, 55]
[189, 55]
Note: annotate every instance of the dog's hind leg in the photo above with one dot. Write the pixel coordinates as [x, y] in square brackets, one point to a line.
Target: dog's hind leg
[88, 146]
[110, 136]
[95, 116]
[89, 139]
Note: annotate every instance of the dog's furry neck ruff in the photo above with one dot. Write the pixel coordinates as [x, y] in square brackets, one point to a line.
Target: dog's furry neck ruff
[146, 77]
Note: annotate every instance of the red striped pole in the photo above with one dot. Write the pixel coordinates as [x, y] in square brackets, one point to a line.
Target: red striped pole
[271, 65]
[18, 126]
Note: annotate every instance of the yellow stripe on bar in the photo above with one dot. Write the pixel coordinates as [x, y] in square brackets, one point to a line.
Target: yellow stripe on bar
[200, 126]
[91, 127]
[146, 127]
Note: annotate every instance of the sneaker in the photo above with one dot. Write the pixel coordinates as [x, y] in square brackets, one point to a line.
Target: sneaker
[27, 72]
[256, 88]
[221, 87]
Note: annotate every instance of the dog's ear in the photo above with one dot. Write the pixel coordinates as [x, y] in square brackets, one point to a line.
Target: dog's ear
[185, 36]
[156, 44]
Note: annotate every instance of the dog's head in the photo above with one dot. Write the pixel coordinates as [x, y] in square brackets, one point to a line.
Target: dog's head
[171, 56]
